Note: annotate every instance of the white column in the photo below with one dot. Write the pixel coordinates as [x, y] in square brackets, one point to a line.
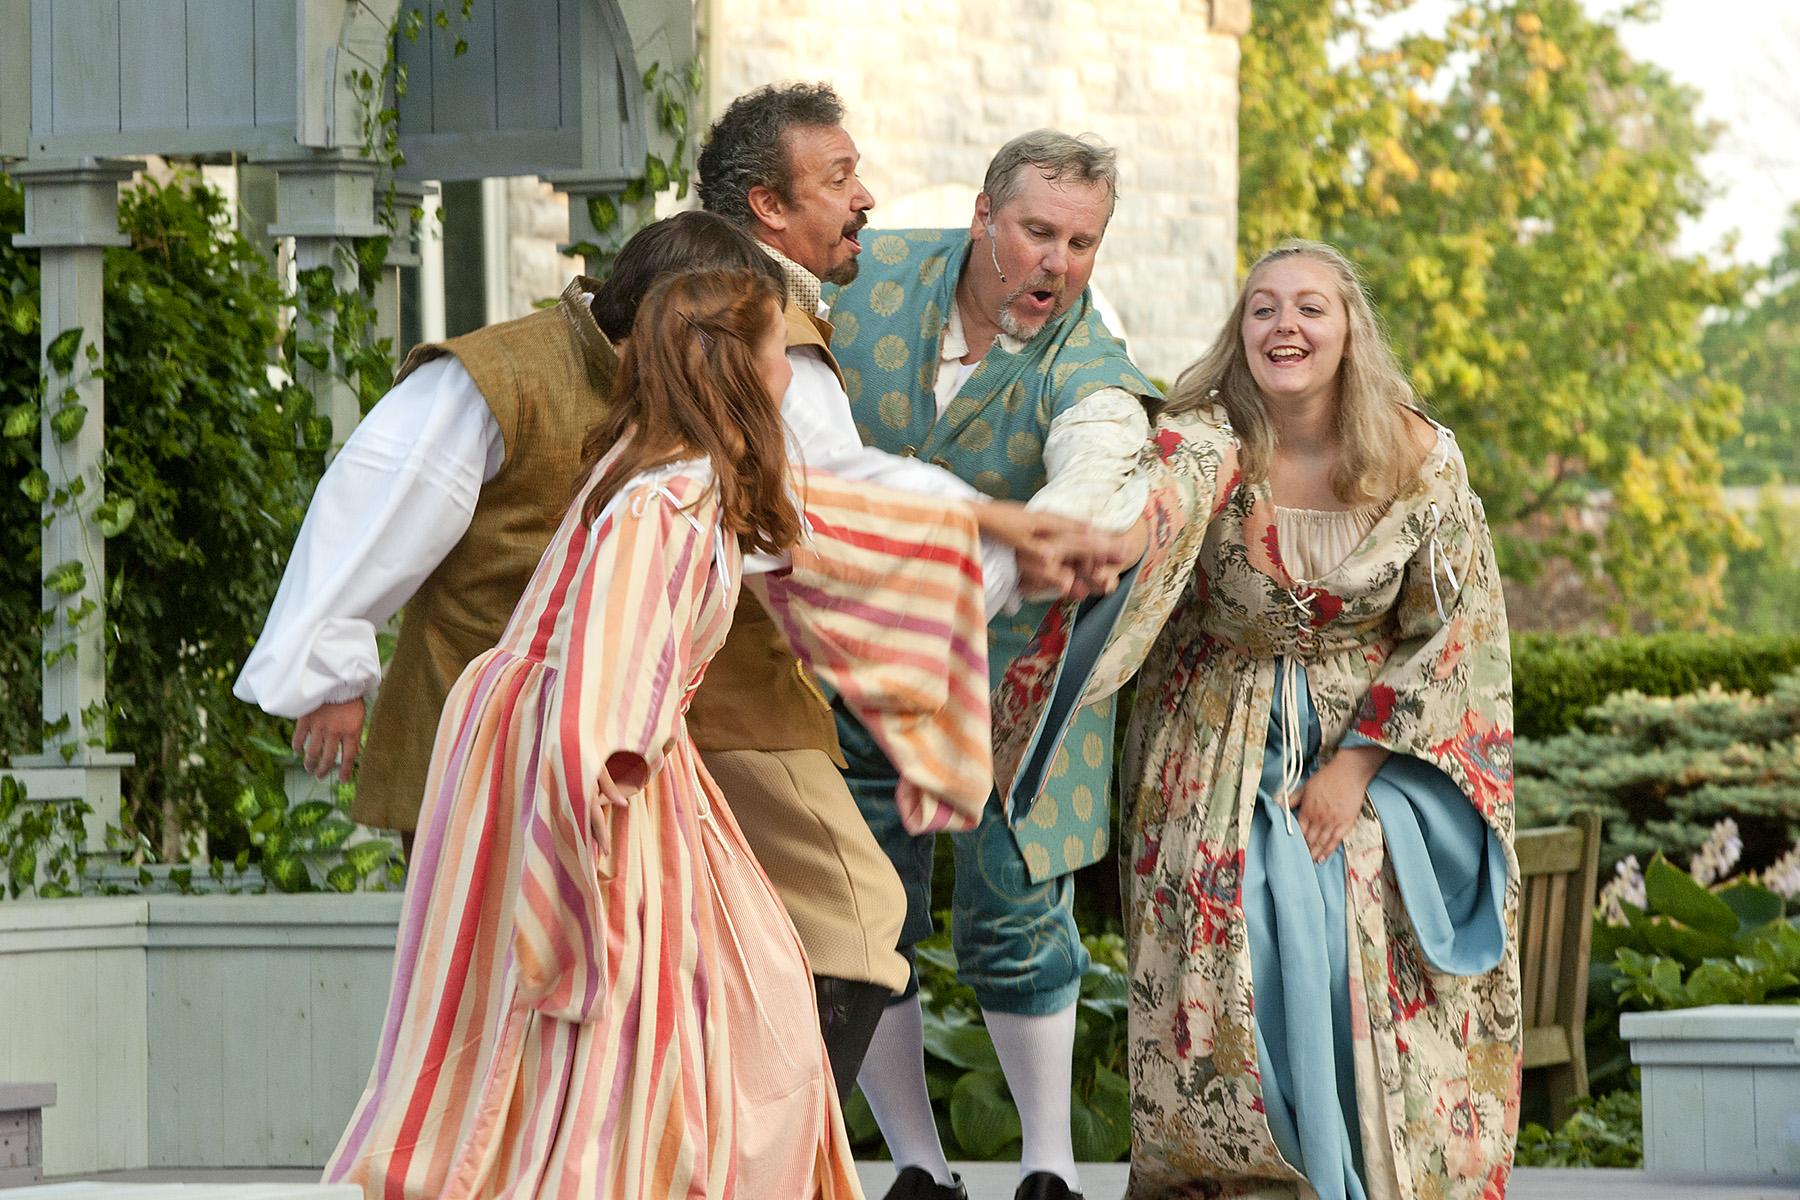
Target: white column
[496, 250]
[431, 266]
[324, 203]
[71, 217]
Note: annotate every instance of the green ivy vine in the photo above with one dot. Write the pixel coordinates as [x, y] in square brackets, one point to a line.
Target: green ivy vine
[673, 95]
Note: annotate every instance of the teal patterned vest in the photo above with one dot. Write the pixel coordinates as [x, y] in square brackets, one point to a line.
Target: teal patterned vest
[888, 328]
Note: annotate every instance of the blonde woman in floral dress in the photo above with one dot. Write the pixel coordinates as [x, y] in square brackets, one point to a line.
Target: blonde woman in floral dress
[1318, 814]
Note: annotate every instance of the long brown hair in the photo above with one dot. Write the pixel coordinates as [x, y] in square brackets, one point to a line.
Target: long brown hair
[1377, 452]
[688, 387]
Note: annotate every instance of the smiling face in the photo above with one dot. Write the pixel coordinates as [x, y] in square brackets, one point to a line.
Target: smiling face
[827, 206]
[1295, 330]
[1045, 240]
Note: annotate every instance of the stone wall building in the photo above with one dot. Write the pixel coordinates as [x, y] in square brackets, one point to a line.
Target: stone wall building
[935, 86]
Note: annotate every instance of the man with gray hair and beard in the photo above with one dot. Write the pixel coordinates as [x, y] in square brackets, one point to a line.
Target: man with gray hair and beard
[979, 350]
[780, 164]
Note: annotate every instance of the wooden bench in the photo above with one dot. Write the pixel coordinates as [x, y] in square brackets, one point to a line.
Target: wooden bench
[22, 1108]
[1557, 868]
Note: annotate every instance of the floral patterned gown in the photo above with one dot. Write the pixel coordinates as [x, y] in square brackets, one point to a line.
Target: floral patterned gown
[1380, 1057]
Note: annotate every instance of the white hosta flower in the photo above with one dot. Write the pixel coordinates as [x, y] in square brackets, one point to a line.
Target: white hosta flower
[1783, 875]
[1625, 887]
[1721, 851]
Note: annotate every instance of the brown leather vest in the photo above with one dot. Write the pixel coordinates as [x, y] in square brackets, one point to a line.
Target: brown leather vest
[756, 694]
[547, 378]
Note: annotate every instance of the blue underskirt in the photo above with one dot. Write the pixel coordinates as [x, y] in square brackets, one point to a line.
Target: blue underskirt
[1452, 874]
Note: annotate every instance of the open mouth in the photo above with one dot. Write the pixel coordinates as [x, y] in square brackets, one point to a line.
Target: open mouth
[1040, 298]
[1287, 356]
[850, 233]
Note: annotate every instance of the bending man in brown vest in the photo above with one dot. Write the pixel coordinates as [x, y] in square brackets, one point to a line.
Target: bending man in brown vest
[442, 500]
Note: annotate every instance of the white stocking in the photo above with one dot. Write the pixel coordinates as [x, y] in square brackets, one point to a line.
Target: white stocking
[893, 1080]
[1035, 1054]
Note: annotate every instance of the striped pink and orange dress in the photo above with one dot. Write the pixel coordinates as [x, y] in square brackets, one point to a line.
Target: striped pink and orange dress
[596, 1000]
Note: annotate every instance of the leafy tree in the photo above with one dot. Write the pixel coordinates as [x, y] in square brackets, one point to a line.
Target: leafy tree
[218, 459]
[1762, 582]
[1511, 184]
[1757, 347]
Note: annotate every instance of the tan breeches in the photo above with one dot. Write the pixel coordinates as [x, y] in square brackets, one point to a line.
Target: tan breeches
[839, 887]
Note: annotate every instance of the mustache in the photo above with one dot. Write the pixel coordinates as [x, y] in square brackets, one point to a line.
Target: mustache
[1039, 283]
[857, 225]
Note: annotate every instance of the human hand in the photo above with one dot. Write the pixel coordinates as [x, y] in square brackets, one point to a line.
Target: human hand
[1056, 555]
[1327, 804]
[330, 734]
[1099, 575]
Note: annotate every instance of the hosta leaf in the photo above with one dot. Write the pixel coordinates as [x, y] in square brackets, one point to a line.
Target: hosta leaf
[1674, 893]
[1101, 1123]
[1755, 906]
[965, 1046]
[982, 1114]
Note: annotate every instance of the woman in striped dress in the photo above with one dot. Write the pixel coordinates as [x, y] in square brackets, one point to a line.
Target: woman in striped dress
[596, 992]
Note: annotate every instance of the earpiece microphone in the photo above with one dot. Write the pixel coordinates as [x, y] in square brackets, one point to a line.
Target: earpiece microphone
[994, 253]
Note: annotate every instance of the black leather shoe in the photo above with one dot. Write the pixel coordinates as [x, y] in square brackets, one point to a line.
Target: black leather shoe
[1044, 1185]
[916, 1183]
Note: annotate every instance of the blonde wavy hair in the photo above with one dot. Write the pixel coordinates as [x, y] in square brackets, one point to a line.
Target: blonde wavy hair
[1378, 453]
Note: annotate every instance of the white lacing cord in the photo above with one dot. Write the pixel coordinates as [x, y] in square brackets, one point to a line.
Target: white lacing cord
[1293, 753]
[639, 502]
[1434, 554]
[1293, 747]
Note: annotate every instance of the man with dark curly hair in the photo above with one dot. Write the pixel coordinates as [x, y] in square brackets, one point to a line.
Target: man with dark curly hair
[779, 163]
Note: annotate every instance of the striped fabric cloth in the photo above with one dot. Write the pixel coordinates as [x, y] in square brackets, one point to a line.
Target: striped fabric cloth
[600, 1000]
[884, 604]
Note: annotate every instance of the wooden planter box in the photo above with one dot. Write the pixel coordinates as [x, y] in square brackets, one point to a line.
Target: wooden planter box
[1721, 1088]
[182, 1031]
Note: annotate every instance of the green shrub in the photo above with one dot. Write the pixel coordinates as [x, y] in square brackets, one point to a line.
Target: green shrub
[1557, 680]
[218, 460]
[1661, 771]
[1603, 1132]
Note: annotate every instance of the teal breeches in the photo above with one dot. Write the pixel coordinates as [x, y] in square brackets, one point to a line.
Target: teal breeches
[1016, 942]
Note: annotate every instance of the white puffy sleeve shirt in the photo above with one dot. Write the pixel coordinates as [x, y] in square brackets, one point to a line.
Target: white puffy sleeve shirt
[395, 500]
